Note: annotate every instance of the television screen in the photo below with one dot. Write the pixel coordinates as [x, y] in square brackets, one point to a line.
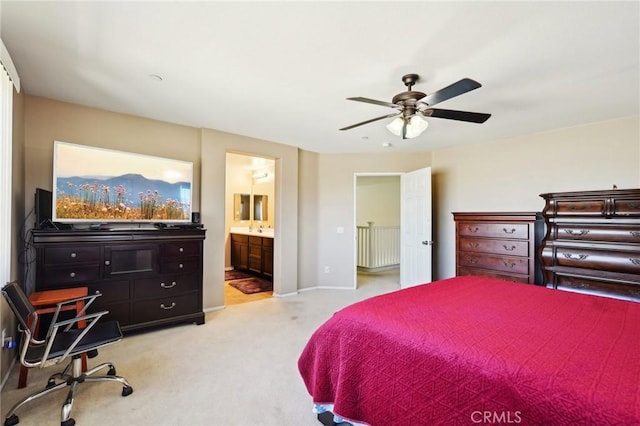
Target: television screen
[102, 185]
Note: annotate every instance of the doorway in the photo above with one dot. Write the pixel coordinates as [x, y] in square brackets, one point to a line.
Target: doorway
[377, 219]
[249, 228]
[415, 241]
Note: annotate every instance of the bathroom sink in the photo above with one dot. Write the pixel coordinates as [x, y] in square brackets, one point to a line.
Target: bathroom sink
[245, 230]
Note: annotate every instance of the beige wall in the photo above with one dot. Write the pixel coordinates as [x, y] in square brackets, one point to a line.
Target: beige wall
[308, 213]
[510, 174]
[48, 120]
[215, 145]
[336, 209]
[314, 193]
[378, 200]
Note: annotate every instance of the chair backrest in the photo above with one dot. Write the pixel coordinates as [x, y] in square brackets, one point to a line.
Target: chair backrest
[19, 303]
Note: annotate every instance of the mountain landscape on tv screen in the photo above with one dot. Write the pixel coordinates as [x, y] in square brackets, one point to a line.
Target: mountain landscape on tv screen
[130, 196]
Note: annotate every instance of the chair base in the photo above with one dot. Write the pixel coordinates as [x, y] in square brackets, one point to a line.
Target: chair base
[71, 376]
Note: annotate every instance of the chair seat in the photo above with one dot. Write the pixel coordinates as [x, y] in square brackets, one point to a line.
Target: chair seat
[100, 334]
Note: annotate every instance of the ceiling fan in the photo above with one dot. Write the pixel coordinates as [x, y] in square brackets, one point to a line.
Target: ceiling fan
[411, 105]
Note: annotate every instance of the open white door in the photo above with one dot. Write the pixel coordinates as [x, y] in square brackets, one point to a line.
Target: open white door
[415, 228]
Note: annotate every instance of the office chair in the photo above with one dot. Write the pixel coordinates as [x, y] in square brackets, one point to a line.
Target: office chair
[62, 342]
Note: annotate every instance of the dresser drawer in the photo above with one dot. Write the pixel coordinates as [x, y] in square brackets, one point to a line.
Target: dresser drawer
[593, 232]
[602, 260]
[627, 206]
[185, 266]
[506, 247]
[514, 265]
[180, 249]
[120, 312]
[165, 286]
[71, 255]
[580, 207]
[598, 287]
[111, 291]
[491, 274]
[494, 230]
[165, 307]
[70, 275]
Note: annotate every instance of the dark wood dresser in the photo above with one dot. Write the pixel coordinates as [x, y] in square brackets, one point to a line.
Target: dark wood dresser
[592, 244]
[146, 277]
[500, 245]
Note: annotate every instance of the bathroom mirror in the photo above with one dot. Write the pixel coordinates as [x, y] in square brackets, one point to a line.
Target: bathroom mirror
[260, 207]
[241, 207]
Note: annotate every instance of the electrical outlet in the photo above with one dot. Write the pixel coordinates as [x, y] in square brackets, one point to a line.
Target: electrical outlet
[327, 269]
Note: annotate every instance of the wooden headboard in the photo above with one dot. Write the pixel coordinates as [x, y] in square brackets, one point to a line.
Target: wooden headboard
[592, 242]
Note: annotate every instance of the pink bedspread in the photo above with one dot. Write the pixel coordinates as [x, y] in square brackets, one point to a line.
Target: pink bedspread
[473, 350]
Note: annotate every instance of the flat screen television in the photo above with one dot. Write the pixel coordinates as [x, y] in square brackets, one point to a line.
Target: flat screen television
[98, 185]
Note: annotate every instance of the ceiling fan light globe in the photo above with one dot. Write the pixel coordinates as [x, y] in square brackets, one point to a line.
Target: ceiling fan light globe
[416, 126]
[395, 126]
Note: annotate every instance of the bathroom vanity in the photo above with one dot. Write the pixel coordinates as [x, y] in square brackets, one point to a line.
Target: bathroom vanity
[252, 251]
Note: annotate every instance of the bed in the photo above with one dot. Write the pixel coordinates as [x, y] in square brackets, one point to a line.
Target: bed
[474, 350]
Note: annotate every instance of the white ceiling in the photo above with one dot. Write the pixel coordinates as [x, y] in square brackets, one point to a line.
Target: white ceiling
[280, 71]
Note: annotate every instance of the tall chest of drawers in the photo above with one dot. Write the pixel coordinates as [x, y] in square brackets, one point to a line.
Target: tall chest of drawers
[592, 244]
[500, 245]
[147, 278]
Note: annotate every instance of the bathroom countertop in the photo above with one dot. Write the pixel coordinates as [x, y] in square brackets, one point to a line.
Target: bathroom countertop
[266, 232]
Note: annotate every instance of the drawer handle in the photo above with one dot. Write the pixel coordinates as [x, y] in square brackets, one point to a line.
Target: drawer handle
[580, 232]
[73, 255]
[180, 249]
[180, 266]
[635, 261]
[473, 229]
[72, 275]
[635, 234]
[508, 264]
[509, 232]
[107, 262]
[474, 261]
[576, 257]
[172, 285]
[473, 245]
[166, 308]
[509, 249]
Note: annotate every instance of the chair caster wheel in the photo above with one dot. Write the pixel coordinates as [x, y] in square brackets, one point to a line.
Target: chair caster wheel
[10, 421]
[127, 390]
[112, 371]
[69, 422]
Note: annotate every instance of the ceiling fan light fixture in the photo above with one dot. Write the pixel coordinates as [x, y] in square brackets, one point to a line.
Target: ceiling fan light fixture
[395, 126]
[415, 126]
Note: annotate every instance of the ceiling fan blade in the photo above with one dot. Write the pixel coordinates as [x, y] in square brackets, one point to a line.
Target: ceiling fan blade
[458, 88]
[375, 102]
[370, 121]
[473, 117]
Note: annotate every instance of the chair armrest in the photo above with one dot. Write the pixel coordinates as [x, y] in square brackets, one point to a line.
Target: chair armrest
[74, 320]
[60, 305]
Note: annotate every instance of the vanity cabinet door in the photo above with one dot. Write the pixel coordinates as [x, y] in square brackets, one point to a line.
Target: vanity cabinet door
[239, 251]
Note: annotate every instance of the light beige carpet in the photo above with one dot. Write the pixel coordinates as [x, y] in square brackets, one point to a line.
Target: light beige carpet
[239, 368]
